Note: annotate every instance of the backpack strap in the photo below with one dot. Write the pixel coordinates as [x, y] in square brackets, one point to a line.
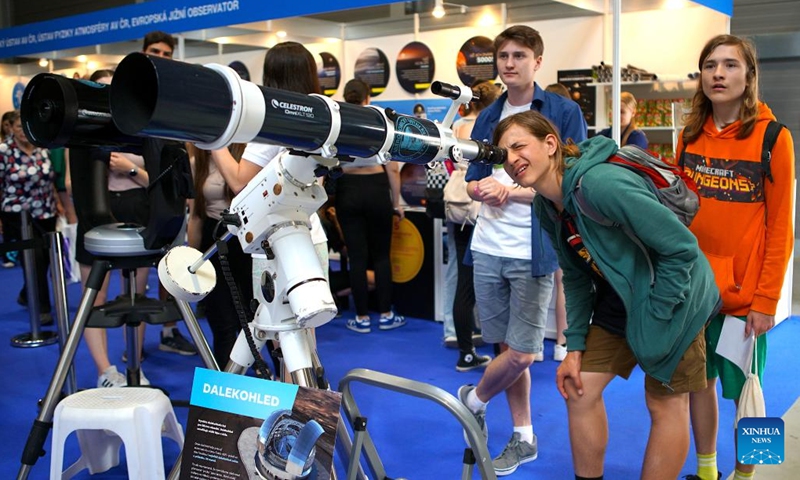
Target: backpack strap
[587, 210]
[682, 154]
[770, 137]
[590, 212]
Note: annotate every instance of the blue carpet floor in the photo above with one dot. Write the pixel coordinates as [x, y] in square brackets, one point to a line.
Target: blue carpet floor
[415, 439]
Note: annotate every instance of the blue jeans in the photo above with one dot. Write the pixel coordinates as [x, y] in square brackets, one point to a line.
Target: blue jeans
[512, 305]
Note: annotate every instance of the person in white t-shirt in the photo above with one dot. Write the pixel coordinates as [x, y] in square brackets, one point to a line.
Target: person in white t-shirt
[288, 66]
[513, 261]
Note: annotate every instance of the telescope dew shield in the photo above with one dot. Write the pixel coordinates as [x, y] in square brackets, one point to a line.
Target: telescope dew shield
[163, 98]
[57, 111]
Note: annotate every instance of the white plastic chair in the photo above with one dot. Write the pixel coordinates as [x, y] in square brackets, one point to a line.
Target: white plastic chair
[105, 418]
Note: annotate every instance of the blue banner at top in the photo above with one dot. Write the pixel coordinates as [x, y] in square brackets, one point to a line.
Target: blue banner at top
[172, 16]
[721, 6]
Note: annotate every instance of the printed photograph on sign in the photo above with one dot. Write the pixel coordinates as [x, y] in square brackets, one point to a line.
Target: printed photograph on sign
[372, 67]
[251, 428]
[415, 67]
[329, 73]
[475, 61]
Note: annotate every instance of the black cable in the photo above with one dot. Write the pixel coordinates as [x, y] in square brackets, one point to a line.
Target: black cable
[161, 175]
[260, 366]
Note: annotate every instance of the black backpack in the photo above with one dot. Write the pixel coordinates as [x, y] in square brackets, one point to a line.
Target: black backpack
[770, 137]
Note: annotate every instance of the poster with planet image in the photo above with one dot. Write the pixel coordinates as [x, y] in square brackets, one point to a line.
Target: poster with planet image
[415, 67]
[372, 67]
[329, 73]
[475, 61]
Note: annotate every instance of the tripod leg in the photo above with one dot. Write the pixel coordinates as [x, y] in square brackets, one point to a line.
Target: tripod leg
[132, 339]
[297, 355]
[41, 426]
[197, 335]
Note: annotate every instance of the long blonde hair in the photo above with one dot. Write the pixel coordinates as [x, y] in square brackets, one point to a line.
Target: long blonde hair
[627, 99]
[702, 106]
[540, 127]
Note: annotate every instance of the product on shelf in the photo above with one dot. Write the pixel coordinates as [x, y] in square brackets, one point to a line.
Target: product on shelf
[604, 73]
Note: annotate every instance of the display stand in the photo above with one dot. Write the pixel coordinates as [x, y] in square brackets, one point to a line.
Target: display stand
[417, 274]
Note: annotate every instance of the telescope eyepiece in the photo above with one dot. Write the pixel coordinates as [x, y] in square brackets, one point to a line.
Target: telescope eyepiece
[46, 110]
[453, 92]
[490, 155]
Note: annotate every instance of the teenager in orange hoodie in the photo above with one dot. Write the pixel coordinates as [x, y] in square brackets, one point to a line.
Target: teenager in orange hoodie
[745, 221]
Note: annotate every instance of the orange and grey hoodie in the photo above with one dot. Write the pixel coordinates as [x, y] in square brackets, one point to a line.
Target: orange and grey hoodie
[744, 225]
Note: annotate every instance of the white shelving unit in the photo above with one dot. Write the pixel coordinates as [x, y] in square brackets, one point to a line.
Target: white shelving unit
[671, 116]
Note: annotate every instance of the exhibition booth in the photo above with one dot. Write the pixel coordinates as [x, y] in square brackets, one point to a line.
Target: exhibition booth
[399, 49]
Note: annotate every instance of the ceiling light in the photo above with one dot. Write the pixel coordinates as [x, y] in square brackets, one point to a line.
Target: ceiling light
[81, 58]
[91, 66]
[438, 9]
[281, 33]
[487, 20]
[43, 62]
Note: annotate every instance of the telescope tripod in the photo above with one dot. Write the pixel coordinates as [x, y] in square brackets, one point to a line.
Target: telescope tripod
[274, 319]
[129, 310]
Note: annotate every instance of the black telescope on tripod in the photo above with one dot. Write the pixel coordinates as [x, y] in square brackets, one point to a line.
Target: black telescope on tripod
[212, 107]
[58, 111]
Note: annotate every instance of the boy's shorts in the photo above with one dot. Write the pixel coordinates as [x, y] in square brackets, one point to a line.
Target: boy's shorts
[609, 353]
[730, 376]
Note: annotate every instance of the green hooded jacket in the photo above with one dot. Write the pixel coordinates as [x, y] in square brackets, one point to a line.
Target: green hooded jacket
[663, 318]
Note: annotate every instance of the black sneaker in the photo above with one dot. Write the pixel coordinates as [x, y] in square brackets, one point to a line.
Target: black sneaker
[177, 344]
[697, 477]
[471, 361]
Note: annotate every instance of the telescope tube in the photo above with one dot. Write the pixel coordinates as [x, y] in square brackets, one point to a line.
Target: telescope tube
[212, 107]
[163, 98]
[57, 111]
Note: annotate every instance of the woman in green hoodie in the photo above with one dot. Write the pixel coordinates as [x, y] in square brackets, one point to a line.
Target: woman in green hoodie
[618, 314]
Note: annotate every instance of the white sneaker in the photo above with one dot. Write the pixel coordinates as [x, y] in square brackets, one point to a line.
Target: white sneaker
[538, 357]
[143, 381]
[559, 353]
[111, 378]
